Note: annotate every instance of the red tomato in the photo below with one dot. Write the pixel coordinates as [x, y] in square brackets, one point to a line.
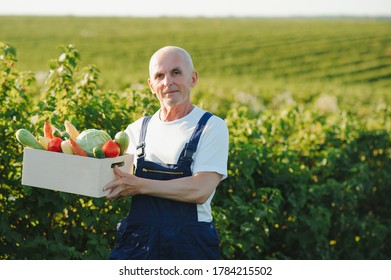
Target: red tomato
[54, 144]
[111, 149]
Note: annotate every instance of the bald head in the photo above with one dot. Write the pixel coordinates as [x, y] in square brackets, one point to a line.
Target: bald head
[171, 50]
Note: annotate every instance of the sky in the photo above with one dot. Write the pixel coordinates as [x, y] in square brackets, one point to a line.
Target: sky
[197, 8]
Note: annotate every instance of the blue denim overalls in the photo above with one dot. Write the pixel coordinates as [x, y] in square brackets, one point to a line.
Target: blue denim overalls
[158, 228]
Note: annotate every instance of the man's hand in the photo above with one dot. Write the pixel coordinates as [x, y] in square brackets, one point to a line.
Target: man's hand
[194, 189]
[124, 185]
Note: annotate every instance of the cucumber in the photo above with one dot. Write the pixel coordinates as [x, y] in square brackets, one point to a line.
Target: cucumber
[65, 136]
[26, 138]
[56, 133]
[98, 152]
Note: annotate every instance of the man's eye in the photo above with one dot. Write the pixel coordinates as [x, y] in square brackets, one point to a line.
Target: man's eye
[159, 76]
[176, 72]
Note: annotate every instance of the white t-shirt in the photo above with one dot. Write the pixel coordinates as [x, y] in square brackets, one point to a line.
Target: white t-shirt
[165, 141]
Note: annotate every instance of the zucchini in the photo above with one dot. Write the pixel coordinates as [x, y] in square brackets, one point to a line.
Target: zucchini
[26, 138]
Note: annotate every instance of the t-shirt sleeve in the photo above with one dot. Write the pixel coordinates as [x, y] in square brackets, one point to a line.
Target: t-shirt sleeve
[212, 150]
[133, 130]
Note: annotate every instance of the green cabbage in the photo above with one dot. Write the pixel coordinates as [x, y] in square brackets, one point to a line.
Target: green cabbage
[91, 138]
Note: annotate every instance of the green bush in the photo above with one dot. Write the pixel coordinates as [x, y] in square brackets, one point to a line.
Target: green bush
[40, 224]
[303, 184]
[306, 186]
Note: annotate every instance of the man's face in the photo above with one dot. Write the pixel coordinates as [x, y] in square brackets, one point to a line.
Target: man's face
[171, 79]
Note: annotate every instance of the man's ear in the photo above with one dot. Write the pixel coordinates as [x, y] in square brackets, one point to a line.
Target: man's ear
[151, 86]
[194, 78]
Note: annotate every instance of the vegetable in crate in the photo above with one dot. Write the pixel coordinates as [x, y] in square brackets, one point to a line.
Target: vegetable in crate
[66, 147]
[122, 139]
[111, 149]
[44, 141]
[71, 129]
[26, 138]
[47, 130]
[91, 138]
[77, 150]
[98, 152]
[54, 144]
[56, 133]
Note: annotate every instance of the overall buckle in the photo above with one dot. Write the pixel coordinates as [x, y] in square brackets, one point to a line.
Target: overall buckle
[189, 151]
[140, 149]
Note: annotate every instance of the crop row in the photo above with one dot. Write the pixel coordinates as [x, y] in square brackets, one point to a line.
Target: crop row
[340, 50]
[333, 59]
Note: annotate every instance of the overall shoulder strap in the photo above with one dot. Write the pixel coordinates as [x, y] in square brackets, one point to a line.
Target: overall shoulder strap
[190, 148]
[141, 143]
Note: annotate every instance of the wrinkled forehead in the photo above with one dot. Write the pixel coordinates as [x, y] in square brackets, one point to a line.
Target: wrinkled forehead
[168, 59]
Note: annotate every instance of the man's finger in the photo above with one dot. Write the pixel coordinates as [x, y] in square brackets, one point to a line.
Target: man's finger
[112, 184]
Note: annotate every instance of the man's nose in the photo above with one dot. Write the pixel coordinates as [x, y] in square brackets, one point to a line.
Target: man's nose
[167, 80]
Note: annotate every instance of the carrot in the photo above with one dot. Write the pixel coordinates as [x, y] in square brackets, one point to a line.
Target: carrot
[47, 130]
[77, 149]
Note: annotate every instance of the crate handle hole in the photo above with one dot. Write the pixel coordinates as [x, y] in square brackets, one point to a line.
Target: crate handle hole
[119, 164]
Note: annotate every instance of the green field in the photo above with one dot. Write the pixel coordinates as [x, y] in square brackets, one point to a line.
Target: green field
[247, 60]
